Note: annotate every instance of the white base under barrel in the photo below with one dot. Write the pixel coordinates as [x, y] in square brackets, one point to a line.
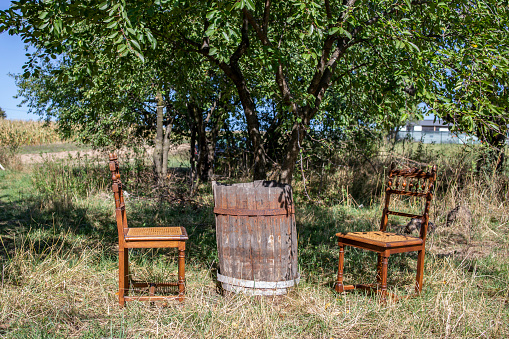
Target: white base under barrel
[252, 287]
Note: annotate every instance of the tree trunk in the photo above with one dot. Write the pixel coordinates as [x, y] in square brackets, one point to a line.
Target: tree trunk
[203, 166]
[192, 153]
[166, 148]
[234, 73]
[158, 150]
[162, 141]
[253, 128]
[293, 149]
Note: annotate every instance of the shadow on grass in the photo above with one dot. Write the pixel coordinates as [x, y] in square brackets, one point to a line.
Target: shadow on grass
[96, 227]
[44, 226]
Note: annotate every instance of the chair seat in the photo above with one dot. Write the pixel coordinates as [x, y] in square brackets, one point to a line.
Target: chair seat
[156, 234]
[379, 239]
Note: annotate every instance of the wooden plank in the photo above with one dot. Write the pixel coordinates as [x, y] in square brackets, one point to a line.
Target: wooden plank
[265, 273]
[219, 220]
[249, 228]
[282, 240]
[274, 230]
[242, 249]
[402, 214]
[256, 236]
[232, 228]
[226, 268]
[294, 237]
[152, 244]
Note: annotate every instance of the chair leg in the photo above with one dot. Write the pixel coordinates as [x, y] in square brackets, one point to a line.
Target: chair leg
[379, 269]
[123, 275]
[339, 282]
[181, 273]
[420, 271]
[383, 286]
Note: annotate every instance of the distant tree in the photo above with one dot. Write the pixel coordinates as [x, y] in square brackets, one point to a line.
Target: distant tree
[2, 114]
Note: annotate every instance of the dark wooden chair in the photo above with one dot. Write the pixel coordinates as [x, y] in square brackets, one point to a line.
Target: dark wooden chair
[144, 237]
[408, 182]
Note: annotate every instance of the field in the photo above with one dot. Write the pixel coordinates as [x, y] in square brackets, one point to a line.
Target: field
[59, 259]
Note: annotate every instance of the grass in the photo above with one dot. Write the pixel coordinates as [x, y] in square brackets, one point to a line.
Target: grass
[51, 148]
[59, 263]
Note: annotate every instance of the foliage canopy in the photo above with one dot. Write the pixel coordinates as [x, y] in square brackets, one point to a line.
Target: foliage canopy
[293, 65]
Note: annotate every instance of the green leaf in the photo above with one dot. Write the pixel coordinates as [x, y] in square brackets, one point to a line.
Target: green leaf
[124, 52]
[103, 6]
[112, 36]
[43, 15]
[210, 15]
[414, 46]
[142, 58]
[210, 31]
[112, 24]
[121, 48]
[250, 5]
[136, 44]
[343, 31]
[58, 25]
[227, 38]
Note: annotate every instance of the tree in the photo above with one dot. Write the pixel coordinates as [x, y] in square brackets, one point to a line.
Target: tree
[290, 53]
[3, 115]
[468, 82]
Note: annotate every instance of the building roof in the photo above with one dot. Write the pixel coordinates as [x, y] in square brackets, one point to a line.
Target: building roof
[431, 123]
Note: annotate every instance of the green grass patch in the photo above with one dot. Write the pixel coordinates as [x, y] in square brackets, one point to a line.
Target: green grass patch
[52, 148]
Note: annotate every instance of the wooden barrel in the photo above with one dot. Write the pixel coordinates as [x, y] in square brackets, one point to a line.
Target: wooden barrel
[256, 237]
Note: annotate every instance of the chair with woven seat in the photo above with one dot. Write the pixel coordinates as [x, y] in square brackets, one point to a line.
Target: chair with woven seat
[144, 237]
[412, 182]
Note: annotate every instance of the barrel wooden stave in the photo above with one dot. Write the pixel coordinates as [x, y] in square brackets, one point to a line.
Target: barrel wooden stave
[259, 248]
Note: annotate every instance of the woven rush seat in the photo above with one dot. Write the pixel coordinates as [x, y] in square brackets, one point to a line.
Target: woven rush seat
[381, 239]
[155, 233]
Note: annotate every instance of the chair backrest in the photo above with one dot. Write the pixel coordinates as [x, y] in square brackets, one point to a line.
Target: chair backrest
[119, 198]
[410, 182]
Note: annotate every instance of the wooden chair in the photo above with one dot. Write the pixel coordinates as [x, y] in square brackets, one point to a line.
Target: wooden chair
[409, 182]
[144, 237]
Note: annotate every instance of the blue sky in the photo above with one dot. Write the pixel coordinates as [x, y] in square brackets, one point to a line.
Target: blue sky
[12, 58]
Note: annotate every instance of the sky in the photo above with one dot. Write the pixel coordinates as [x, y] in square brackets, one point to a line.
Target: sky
[12, 59]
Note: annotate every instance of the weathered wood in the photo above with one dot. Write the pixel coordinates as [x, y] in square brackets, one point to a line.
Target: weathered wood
[143, 237]
[256, 237]
[409, 182]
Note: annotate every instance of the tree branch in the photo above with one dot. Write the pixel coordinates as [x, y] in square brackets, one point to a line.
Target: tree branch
[244, 43]
[266, 14]
[260, 32]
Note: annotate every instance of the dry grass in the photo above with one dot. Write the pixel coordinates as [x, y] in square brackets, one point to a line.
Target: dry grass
[60, 271]
[70, 293]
